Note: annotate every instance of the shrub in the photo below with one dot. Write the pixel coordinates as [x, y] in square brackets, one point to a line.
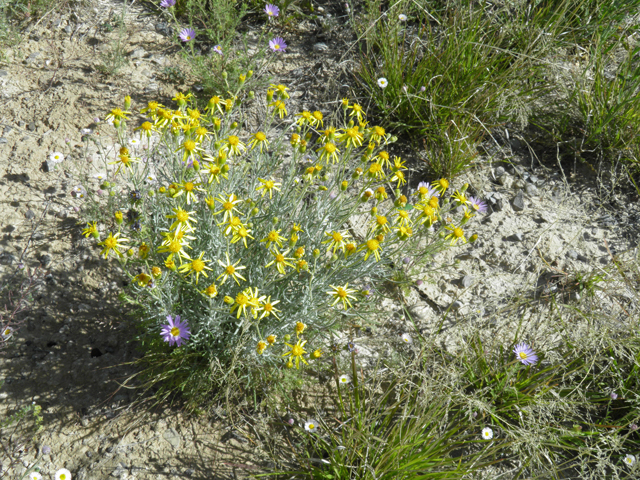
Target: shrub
[263, 245]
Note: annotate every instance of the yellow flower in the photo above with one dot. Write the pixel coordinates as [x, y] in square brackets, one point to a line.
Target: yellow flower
[243, 301]
[381, 224]
[461, 198]
[233, 146]
[175, 247]
[259, 139]
[261, 347]
[280, 260]
[183, 220]
[117, 114]
[268, 186]
[441, 185]
[280, 108]
[357, 111]
[152, 107]
[342, 294]
[211, 291]
[143, 251]
[271, 339]
[156, 272]
[317, 353]
[302, 265]
[214, 103]
[124, 161]
[92, 229]
[305, 118]
[376, 170]
[297, 350]
[145, 129]
[456, 234]
[376, 134]
[336, 240]
[299, 253]
[300, 328]
[352, 137]
[274, 237]
[330, 151]
[142, 279]
[170, 264]
[231, 270]
[197, 265]
[402, 218]
[232, 225]
[371, 246]
[113, 242]
[228, 206]
[268, 308]
[317, 117]
[241, 233]
[281, 90]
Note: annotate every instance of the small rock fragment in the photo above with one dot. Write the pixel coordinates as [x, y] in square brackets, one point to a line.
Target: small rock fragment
[320, 47]
[506, 180]
[531, 190]
[518, 202]
[467, 281]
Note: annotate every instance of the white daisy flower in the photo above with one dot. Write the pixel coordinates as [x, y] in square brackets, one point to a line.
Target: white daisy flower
[56, 157]
[406, 338]
[402, 17]
[344, 379]
[629, 460]
[150, 178]
[34, 476]
[311, 425]
[63, 474]
[487, 433]
[382, 82]
[7, 332]
[79, 191]
[100, 176]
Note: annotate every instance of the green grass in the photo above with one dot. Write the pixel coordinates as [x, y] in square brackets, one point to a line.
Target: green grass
[457, 70]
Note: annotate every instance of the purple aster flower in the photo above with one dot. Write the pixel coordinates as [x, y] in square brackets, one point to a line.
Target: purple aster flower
[46, 449]
[187, 34]
[633, 427]
[277, 44]
[271, 10]
[613, 395]
[423, 89]
[176, 331]
[525, 354]
[218, 49]
[478, 205]
[167, 3]
[426, 191]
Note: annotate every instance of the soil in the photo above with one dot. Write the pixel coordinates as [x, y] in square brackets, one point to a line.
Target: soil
[71, 351]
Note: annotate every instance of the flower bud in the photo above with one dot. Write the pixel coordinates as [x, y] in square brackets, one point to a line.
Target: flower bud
[269, 95]
[293, 240]
[316, 253]
[172, 192]
[275, 220]
[112, 193]
[116, 122]
[473, 238]
[196, 165]
[393, 139]
[224, 74]
[224, 168]
[151, 193]
[130, 252]
[334, 258]
[228, 300]
[464, 188]
[287, 337]
[95, 234]
[234, 125]
[104, 185]
[250, 74]
[251, 94]
[255, 211]
[241, 79]
[127, 102]
[162, 190]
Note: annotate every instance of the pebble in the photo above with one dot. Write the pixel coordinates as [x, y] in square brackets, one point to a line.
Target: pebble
[171, 436]
[45, 260]
[3, 140]
[7, 258]
[572, 254]
[32, 58]
[518, 202]
[31, 127]
[138, 53]
[48, 166]
[467, 281]
[3, 73]
[158, 59]
[29, 214]
[320, 47]
[506, 180]
[120, 471]
[531, 190]
[516, 237]
[163, 29]
[457, 305]
[68, 29]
